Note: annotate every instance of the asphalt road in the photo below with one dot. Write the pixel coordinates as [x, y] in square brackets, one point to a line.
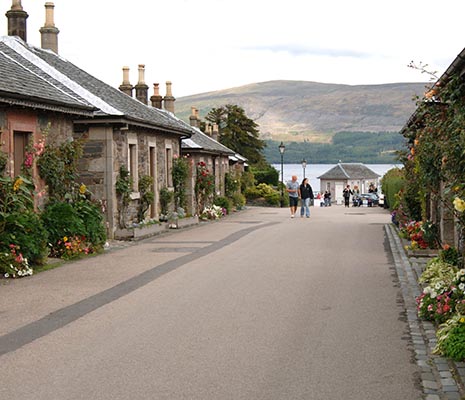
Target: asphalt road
[256, 306]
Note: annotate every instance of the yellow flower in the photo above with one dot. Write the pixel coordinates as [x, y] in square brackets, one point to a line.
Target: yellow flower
[17, 184]
[65, 239]
[82, 189]
[459, 204]
[462, 320]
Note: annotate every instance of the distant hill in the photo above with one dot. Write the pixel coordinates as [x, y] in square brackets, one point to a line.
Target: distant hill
[311, 111]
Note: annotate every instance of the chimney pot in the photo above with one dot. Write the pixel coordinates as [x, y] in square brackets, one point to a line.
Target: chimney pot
[142, 90]
[156, 99]
[169, 99]
[17, 20]
[215, 131]
[49, 33]
[126, 86]
[17, 5]
[141, 74]
[193, 120]
[49, 14]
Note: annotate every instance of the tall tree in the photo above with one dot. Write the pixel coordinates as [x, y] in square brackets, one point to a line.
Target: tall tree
[238, 132]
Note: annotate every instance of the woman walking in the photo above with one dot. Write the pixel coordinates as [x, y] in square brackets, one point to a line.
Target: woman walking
[306, 195]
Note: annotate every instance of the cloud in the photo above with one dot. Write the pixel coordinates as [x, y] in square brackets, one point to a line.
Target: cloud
[299, 51]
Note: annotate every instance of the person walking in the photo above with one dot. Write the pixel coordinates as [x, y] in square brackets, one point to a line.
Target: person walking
[346, 193]
[292, 188]
[306, 195]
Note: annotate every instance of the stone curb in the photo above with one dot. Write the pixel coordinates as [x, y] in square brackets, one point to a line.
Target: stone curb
[441, 378]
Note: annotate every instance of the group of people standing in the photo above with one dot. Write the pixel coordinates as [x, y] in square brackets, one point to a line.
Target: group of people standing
[302, 191]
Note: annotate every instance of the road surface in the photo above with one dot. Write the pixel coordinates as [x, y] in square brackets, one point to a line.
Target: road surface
[255, 306]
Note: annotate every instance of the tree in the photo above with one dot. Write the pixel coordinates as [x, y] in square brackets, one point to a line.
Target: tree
[238, 132]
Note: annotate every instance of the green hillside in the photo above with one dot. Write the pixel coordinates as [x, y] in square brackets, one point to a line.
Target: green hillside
[365, 147]
[310, 111]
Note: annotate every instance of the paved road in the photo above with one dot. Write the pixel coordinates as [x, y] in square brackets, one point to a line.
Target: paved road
[257, 306]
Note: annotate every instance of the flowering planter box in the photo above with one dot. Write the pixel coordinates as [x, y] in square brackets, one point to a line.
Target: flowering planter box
[140, 232]
[184, 222]
[145, 231]
[423, 253]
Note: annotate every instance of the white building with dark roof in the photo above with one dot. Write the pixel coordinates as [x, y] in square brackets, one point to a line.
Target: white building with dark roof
[354, 174]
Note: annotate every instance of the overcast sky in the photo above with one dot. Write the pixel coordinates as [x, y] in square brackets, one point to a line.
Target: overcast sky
[207, 45]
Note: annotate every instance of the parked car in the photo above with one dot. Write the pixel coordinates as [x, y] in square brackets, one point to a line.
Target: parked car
[369, 199]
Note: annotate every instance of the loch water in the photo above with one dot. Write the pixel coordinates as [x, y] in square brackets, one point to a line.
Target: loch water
[313, 171]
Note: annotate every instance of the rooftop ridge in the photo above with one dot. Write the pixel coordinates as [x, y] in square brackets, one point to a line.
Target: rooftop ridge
[17, 45]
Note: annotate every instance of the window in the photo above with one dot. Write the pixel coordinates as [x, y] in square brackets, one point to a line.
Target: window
[132, 165]
[169, 166]
[21, 140]
[153, 174]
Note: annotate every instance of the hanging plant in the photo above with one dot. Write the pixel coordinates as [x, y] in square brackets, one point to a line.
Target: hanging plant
[123, 189]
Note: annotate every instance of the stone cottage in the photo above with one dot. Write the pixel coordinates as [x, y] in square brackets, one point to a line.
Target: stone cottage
[40, 90]
[204, 147]
[343, 174]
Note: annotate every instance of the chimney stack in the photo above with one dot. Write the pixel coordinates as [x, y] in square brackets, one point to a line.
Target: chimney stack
[169, 100]
[126, 86]
[215, 132]
[17, 20]
[49, 33]
[142, 90]
[193, 119]
[156, 99]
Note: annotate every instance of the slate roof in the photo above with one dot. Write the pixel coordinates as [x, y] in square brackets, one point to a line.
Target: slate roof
[201, 141]
[345, 171]
[44, 77]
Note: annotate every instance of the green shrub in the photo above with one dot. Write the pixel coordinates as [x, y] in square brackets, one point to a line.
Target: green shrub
[273, 199]
[146, 196]
[247, 181]
[252, 193]
[392, 183]
[74, 228]
[238, 200]
[62, 219]
[3, 162]
[166, 197]
[438, 271]
[180, 173]
[26, 231]
[265, 174]
[451, 338]
[232, 184]
[223, 202]
[94, 222]
[450, 255]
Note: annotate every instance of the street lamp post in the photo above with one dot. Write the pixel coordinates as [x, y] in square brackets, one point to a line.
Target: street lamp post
[282, 148]
[304, 165]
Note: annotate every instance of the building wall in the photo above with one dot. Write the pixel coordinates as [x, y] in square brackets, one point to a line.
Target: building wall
[34, 127]
[142, 151]
[216, 164]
